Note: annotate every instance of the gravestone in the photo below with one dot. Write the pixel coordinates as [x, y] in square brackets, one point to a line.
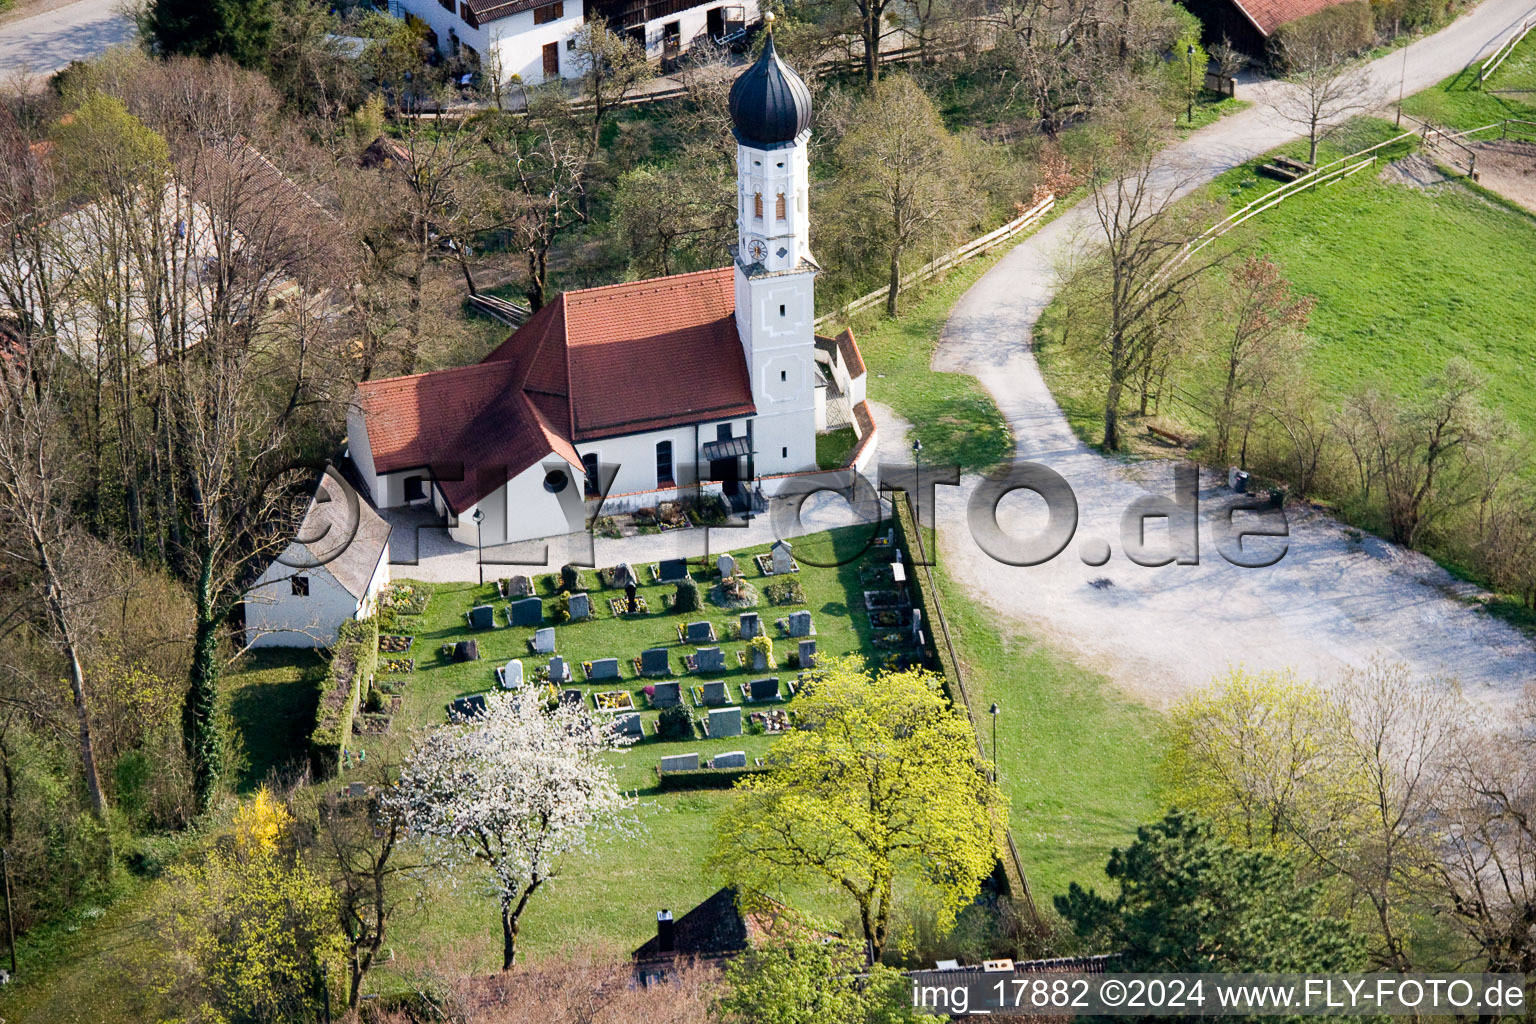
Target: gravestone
[680, 763]
[519, 586]
[466, 650]
[630, 602]
[482, 616]
[731, 758]
[472, 706]
[654, 661]
[800, 624]
[527, 612]
[673, 569]
[544, 641]
[890, 536]
[807, 653]
[512, 674]
[571, 698]
[724, 722]
[559, 671]
[751, 625]
[581, 607]
[624, 576]
[896, 556]
[764, 689]
[759, 660]
[727, 566]
[605, 668]
[667, 695]
[709, 659]
[782, 557]
[628, 725]
[700, 633]
[715, 693]
[917, 625]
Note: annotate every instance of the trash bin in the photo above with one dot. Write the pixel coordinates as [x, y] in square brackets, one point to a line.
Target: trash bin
[1240, 482]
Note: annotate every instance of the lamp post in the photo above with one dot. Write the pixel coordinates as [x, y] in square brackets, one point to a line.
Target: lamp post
[479, 517]
[917, 486]
[994, 710]
[1189, 114]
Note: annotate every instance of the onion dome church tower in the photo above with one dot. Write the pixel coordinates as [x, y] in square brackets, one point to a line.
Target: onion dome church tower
[775, 276]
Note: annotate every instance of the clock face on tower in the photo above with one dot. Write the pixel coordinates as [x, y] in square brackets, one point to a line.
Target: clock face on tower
[757, 250]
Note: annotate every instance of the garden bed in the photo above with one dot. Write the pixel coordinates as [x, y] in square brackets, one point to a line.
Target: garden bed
[406, 598]
[614, 700]
[787, 592]
[390, 643]
[397, 666]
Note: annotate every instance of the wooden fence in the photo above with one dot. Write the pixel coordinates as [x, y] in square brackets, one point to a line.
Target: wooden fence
[1505, 49]
[1327, 173]
[976, 247]
[510, 313]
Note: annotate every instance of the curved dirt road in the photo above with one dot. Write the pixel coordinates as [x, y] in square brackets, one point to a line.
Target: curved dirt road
[1157, 632]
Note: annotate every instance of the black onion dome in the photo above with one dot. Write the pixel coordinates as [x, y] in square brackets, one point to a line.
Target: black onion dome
[770, 105]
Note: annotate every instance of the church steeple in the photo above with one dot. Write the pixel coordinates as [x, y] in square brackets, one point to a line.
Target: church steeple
[771, 115]
[775, 277]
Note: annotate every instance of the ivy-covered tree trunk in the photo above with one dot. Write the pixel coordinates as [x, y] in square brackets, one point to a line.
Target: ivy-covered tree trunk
[201, 737]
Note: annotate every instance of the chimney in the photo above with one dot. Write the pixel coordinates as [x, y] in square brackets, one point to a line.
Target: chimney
[666, 937]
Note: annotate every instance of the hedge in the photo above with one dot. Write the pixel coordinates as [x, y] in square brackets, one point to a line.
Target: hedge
[917, 583]
[354, 660]
[704, 778]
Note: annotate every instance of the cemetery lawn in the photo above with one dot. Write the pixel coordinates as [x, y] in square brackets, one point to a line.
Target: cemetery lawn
[1395, 302]
[609, 897]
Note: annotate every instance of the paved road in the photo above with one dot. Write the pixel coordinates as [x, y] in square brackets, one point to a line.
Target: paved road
[1330, 602]
[44, 43]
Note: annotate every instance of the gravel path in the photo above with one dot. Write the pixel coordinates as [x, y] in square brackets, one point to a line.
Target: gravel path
[51, 35]
[1328, 603]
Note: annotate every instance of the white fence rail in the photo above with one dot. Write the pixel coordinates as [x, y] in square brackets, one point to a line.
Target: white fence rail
[953, 258]
[1505, 49]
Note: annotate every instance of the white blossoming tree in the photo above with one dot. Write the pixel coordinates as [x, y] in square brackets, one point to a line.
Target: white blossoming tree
[515, 788]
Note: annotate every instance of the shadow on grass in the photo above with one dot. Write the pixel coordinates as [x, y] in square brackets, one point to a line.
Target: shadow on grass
[273, 711]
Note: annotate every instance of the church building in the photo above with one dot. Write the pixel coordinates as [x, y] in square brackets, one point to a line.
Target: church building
[647, 391]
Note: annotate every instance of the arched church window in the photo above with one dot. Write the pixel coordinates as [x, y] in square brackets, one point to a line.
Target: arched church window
[757, 205]
[779, 207]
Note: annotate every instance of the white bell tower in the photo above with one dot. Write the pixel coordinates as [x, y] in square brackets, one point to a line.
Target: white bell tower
[775, 276]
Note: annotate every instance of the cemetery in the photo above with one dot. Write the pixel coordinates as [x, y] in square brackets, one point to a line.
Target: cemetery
[621, 653]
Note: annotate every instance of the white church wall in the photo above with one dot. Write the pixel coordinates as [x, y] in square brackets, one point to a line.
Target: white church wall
[277, 617]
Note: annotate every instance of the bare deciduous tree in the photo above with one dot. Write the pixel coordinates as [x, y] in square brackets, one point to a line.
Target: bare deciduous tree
[1325, 84]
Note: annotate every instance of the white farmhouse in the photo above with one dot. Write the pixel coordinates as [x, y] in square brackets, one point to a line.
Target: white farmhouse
[645, 391]
[332, 571]
[535, 39]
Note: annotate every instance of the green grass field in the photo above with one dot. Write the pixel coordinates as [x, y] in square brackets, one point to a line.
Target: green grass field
[1458, 102]
[1405, 280]
[1075, 758]
[951, 413]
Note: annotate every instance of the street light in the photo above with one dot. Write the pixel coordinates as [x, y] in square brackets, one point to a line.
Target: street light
[1189, 115]
[917, 460]
[994, 710]
[479, 517]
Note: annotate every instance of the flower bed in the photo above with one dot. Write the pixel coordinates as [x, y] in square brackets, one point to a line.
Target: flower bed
[390, 643]
[620, 606]
[397, 666]
[788, 592]
[406, 598]
[874, 599]
[893, 638]
[614, 700]
[886, 618]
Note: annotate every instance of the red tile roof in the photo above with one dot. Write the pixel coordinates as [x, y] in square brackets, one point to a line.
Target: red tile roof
[594, 363]
[1269, 15]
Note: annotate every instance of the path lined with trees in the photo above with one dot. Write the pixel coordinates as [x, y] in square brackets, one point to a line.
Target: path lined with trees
[1332, 600]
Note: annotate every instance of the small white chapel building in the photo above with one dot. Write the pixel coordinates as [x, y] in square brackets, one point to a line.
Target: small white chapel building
[333, 570]
[710, 382]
